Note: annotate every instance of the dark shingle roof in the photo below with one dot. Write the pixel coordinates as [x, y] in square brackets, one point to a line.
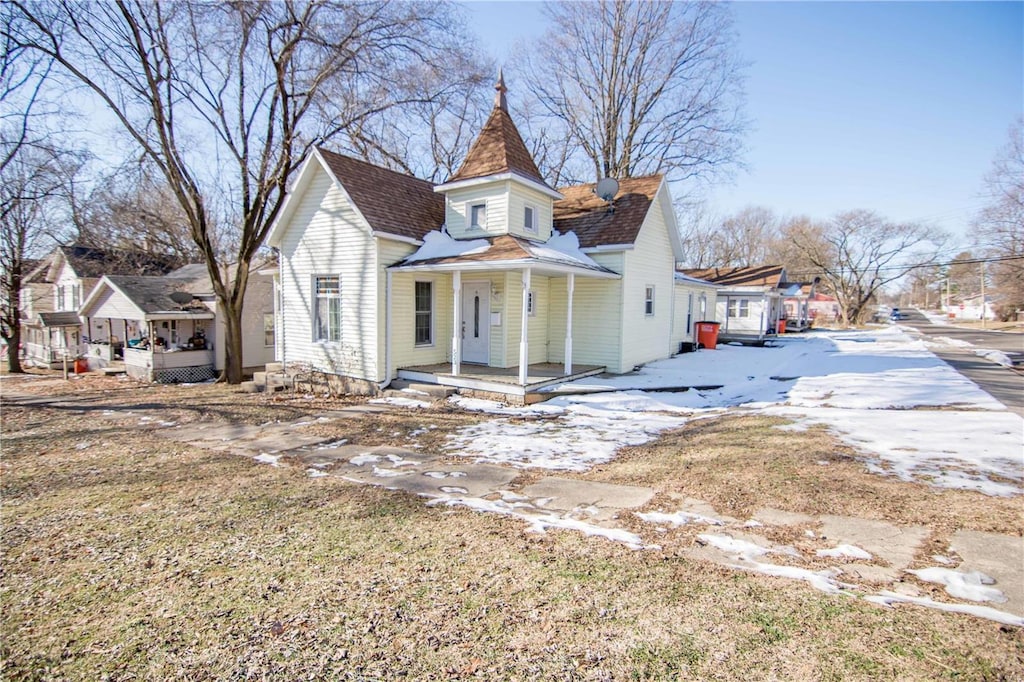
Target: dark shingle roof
[151, 294]
[89, 261]
[586, 214]
[391, 202]
[759, 276]
[498, 149]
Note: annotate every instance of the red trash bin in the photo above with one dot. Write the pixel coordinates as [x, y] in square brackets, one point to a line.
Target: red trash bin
[782, 326]
[707, 334]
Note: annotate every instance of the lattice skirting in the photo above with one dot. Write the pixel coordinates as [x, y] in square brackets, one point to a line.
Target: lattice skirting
[184, 375]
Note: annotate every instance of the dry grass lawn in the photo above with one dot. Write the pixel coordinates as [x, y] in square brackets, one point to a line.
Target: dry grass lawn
[127, 556]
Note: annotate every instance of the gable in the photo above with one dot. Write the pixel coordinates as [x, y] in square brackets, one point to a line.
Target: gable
[387, 202]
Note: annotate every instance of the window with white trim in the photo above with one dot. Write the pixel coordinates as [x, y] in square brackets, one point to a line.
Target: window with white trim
[478, 216]
[531, 308]
[739, 307]
[327, 308]
[268, 330]
[530, 219]
[649, 300]
[424, 313]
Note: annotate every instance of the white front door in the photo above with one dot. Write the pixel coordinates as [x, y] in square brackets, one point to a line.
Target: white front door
[476, 322]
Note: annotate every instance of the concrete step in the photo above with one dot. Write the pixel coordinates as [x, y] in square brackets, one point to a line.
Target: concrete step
[399, 384]
[249, 387]
[112, 371]
[274, 367]
[433, 390]
[278, 381]
[259, 378]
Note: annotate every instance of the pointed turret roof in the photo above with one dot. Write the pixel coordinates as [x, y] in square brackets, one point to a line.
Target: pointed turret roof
[499, 148]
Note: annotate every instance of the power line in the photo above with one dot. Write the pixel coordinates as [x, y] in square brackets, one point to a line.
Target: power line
[933, 264]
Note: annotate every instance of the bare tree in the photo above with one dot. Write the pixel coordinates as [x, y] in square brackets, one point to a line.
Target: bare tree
[1000, 225]
[22, 75]
[638, 87]
[744, 239]
[226, 98]
[131, 208]
[859, 252]
[32, 183]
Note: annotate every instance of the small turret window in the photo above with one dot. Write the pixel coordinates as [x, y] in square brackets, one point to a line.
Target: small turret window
[478, 216]
[530, 219]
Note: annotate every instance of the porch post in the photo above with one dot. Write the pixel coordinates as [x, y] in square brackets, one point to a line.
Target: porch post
[457, 322]
[524, 346]
[570, 285]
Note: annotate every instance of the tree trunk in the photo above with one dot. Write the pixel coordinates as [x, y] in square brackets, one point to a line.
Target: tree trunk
[232, 343]
[14, 352]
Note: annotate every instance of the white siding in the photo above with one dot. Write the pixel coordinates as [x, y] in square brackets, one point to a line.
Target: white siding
[685, 293]
[405, 352]
[327, 237]
[596, 318]
[111, 304]
[537, 326]
[650, 263]
[259, 299]
[519, 198]
[457, 208]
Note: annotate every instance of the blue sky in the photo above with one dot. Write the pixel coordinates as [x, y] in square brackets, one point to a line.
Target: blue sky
[895, 107]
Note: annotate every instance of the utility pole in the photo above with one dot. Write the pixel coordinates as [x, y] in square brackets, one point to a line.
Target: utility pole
[983, 322]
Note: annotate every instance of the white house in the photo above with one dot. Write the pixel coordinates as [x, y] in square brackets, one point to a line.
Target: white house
[492, 281]
[169, 329]
[751, 301]
[51, 327]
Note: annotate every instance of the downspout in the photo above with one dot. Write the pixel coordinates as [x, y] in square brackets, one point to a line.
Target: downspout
[387, 330]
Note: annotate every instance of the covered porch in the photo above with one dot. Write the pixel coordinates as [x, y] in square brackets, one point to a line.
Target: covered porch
[509, 314]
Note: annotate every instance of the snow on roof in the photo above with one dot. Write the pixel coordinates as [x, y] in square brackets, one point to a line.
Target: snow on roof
[680, 277]
[439, 244]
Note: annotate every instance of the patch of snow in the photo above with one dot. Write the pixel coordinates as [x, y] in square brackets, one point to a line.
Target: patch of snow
[360, 460]
[947, 341]
[845, 551]
[589, 431]
[400, 402]
[332, 444]
[996, 356]
[939, 559]
[967, 450]
[971, 586]
[564, 248]
[437, 244]
[315, 473]
[825, 581]
[454, 490]
[886, 598]
[387, 473]
[265, 458]
[83, 445]
[679, 518]
[398, 461]
[540, 523]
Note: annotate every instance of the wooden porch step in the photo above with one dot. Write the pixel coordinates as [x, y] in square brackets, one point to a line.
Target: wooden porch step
[111, 371]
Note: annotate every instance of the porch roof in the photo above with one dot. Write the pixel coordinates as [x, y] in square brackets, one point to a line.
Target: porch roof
[509, 253]
[67, 318]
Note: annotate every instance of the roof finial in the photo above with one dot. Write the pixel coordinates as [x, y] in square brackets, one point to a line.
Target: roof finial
[499, 99]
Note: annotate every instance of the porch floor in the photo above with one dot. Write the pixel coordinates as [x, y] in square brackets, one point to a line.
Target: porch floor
[498, 379]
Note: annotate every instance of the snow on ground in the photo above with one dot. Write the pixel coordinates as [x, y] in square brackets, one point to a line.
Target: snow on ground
[877, 390]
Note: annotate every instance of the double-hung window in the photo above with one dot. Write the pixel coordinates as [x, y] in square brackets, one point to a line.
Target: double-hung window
[327, 308]
[424, 313]
[531, 304]
[478, 216]
[530, 219]
[268, 330]
[739, 307]
[649, 300]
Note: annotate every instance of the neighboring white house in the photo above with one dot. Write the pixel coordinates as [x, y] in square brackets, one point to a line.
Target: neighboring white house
[54, 291]
[750, 305]
[696, 301]
[492, 281]
[168, 329]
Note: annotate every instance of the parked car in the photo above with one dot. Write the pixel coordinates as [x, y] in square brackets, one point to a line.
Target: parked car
[897, 315]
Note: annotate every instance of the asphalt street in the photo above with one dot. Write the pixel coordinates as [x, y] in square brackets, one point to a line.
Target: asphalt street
[1004, 384]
